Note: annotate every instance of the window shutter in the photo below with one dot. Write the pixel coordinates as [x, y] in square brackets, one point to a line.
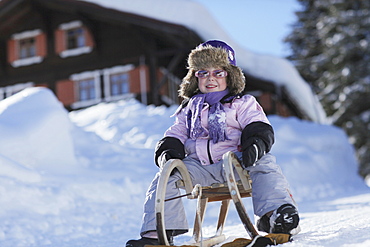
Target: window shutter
[65, 92]
[41, 45]
[59, 41]
[12, 50]
[88, 37]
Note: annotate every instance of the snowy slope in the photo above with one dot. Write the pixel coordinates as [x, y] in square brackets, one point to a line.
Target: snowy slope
[79, 178]
[196, 17]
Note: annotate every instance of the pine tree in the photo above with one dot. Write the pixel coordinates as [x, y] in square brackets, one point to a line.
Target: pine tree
[330, 45]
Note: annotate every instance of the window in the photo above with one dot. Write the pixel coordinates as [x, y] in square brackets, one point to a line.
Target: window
[26, 48]
[119, 84]
[73, 39]
[86, 89]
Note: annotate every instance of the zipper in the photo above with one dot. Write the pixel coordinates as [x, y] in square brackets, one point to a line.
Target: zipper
[209, 152]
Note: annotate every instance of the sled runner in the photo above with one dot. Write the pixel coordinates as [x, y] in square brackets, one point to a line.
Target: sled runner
[232, 190]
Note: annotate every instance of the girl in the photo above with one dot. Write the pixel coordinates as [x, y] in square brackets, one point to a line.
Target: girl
[216, 117]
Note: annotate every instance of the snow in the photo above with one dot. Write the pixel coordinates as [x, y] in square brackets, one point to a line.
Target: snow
[27, 61]
[196, 17]
[76, 51]
[79, 178]
[50, 132]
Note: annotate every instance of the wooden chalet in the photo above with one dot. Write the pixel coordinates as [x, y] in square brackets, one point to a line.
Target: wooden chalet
[87, 54]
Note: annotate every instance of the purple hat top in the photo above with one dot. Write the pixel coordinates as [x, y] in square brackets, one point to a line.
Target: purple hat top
[221, 44]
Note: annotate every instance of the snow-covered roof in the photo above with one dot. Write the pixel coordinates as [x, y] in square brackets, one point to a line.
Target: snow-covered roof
[196, 17]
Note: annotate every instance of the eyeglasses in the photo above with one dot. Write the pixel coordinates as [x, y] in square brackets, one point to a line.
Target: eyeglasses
[216, 73]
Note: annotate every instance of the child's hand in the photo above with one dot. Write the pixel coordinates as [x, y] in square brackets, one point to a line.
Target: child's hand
[167, 155]
[168, 148]
[256, 140]
[250, 155]
[253, 152]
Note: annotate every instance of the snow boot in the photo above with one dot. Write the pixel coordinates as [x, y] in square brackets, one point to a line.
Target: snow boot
[270, 239]
[285, 219]
[142, 242]
[145, 241]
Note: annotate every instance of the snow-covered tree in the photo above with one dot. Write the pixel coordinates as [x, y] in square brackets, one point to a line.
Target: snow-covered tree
[330, 45]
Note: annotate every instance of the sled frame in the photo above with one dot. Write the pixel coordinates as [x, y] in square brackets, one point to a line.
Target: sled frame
[224, 192]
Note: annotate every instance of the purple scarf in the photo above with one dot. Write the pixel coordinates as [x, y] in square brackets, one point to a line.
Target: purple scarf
[216, 116]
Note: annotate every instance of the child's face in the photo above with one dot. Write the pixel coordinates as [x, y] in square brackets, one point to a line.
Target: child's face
[214, 82]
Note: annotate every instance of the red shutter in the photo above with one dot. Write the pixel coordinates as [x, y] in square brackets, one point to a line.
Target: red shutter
[12, 50]
[41, 45]
[65, 92]
[88, 37]
[59, 41]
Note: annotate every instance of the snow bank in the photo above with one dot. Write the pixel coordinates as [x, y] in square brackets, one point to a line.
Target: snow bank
[49, 202]
[10, 168]
[317, 160]
[122, 123]
[35, 133]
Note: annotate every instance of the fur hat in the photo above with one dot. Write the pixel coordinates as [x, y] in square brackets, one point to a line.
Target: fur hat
[212, 54]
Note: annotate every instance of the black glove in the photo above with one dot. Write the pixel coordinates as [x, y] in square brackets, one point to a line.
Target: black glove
[253, 152]
[168, 154]
[256, 140]
[168, 148]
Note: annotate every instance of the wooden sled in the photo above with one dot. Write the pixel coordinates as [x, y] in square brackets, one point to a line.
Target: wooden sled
[232, 190]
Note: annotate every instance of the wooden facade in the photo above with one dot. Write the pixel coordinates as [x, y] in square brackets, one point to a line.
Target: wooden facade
[88, 54]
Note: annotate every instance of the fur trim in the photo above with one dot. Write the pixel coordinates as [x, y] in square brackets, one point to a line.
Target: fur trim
[207, 57]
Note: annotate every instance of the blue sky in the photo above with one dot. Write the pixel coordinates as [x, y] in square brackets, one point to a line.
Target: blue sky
[258, 25]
